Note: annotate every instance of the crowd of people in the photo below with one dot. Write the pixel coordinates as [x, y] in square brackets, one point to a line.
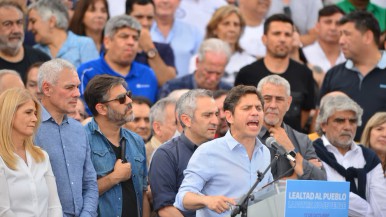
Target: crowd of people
[165, 107]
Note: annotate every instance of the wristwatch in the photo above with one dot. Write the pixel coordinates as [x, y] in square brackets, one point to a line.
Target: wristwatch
[151, 53]
[293, 152]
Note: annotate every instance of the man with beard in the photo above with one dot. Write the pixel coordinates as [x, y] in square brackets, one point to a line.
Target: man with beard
[197, 112]
[344, 160]
[277, 100]
[278, 31]
[13, 55]
[118, 155]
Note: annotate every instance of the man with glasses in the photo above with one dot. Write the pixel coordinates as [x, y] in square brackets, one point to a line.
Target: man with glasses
[212, 58]
[118, 155]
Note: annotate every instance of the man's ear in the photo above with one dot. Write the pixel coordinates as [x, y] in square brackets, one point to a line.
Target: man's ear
[229, 116]
[264, 39]
[106, 42]
[46, 88]
[101, 108]
[52, 22]
[368, 37]
[156, 128]
[289, 102]
[186, 119]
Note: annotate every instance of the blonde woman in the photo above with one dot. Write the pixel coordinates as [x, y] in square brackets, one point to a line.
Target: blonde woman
[27, 184]
[374, 136]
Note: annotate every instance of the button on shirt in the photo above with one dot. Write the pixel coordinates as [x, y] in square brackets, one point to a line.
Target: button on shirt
[69, 152]
[222, 167]
[374, 205]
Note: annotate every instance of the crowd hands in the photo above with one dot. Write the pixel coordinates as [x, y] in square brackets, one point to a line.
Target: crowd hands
[152, 110]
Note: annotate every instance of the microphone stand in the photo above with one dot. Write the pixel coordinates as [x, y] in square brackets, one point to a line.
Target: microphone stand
[242, 205]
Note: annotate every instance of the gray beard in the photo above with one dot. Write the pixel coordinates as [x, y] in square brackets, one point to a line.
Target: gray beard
[117, 118]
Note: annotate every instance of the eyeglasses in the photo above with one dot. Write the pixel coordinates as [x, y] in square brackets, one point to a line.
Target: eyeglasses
[121, 98]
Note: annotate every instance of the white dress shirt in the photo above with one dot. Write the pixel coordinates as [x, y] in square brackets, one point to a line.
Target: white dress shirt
[374, 205]
[316, 56]
[30, 190]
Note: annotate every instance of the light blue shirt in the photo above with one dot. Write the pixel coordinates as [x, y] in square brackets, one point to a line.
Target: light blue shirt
[185, 39]
[69, 152]
[76, 49]
[222, 167]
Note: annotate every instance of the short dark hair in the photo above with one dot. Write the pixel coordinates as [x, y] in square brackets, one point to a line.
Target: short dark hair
[276, 18]
[236, 93]
[363, 21]
[141, 100]
[330, 10]
[219, 93]
[97, 90]
[130, 4]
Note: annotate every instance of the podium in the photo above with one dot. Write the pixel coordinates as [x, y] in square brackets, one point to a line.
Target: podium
[268, 202]
[301, 198]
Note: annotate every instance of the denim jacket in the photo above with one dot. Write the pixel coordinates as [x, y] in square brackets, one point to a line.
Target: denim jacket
[103, 159]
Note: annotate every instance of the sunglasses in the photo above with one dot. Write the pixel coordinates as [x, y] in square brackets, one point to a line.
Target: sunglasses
[121, 98]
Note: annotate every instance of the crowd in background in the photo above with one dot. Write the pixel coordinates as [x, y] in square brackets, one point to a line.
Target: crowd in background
[103, 103]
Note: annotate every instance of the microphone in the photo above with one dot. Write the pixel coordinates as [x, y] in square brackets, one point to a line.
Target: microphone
[271, 143]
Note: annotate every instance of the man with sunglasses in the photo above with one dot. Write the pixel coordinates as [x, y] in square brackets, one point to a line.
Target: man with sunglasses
[118, 155]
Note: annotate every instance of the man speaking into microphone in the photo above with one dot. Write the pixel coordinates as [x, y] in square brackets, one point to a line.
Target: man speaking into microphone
[275, 91]
[222, 170]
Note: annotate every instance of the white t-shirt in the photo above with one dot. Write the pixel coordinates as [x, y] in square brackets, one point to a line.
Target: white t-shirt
[316, 56]
[30, 190]
[198, 12]
[251, 40]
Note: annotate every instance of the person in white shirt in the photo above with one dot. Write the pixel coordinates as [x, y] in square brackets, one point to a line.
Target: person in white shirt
[27, 183]
[326, 52]
[227, 24]
[344, 160]
[254, 13]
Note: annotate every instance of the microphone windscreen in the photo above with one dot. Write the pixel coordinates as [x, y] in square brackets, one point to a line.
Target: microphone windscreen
[269, 142]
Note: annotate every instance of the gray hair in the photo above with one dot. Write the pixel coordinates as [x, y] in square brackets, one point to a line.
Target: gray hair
[335, 103]
[187, 103]
[121, 21]
[276, 80]
[9, 71]
[214, 45]
[51, 70]
[157, 111]
[49, 8]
